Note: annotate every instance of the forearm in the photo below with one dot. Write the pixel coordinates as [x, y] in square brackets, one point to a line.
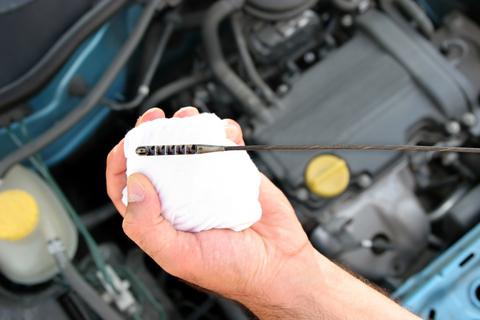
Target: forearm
[322, 291]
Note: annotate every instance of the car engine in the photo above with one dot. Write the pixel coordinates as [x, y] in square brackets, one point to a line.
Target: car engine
[290, 72]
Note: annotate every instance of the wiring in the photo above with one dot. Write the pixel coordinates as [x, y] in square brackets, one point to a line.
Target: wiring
[415, 12]
[92, 245]
[219, 11]
[248, 61]
[144, 88]
[37, 76]
[85, 291]
[280, 15]
[92, 99]
[38, 163]
[175, 87]
[429, 10]
[143, 290]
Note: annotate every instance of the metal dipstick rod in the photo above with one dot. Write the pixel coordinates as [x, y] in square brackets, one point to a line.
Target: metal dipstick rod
[190, 149]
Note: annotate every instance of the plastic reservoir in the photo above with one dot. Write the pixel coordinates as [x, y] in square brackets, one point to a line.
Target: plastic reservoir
[31, 216]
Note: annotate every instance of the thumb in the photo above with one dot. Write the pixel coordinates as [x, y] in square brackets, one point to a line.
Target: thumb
[145, 225]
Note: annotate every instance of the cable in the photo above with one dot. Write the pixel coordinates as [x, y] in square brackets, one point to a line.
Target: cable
[144, 88]
[82, 225]
[429, 10]
[74, 307]
[40, 73]
[84, 290]
[147, 294]
[174, 87]
[248, 62]
[413, 10]
[98, 216]
[281, 15]
[222, 71]
[42, 168]
[91, 99]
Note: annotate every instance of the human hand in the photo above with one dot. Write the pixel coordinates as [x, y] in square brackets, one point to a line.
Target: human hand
[270, 267]
[234, 264]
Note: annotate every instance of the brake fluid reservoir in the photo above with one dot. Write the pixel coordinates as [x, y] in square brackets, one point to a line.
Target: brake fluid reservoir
[31, 214]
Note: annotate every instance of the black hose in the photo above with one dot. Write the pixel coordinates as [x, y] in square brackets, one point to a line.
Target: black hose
[87, 293]
[98, 216]
[279, 15]
[413, 10]
[92, 99]
[36, 77]
[144, 88]
[175, 87]
[221, 70]
[248, 61]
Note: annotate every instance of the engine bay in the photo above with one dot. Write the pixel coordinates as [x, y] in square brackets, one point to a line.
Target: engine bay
[289, 72]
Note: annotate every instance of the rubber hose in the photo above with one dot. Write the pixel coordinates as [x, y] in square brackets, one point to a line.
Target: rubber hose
[92, 99]
[144, 88]
[417, 14]
[282, 15]
[413, 10]
[38, 75]
[221, 70]
[87, 293]
[173, 88]
[248, 61]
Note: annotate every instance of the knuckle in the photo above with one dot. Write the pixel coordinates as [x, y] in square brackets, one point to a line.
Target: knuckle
[109, 190]
[234, 126]
[110, 157]
[130, 228]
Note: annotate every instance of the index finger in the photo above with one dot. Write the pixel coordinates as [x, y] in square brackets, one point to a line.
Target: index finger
[116, 179]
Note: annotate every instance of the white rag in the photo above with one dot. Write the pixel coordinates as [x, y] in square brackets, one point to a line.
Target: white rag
[198, 192]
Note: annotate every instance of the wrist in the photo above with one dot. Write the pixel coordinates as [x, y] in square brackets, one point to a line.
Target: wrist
[312, 287]
[292, 290]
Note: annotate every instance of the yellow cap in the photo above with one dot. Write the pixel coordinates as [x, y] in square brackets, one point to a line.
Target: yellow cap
[327, 175]
[18, 214]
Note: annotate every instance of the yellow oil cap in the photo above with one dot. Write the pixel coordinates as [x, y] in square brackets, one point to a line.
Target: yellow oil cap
[18, 214]
[327, 175]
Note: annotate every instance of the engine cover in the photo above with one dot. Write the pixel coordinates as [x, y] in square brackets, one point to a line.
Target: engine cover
[371, 90]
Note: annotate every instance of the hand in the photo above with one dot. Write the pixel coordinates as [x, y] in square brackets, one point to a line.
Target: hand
[271, 267]
[231, 263]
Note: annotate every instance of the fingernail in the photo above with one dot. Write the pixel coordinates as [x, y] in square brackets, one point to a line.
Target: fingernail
[186, 112]
[231, 127]
[153, 111]
[135, 190]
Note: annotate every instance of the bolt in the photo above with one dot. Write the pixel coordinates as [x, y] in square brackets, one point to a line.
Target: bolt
[453, 127]
[309, 57]
[282, 89]
[347, 20]
[302, 194]
[363, 6]
[469, 119]
[364, 180]
[449, 158]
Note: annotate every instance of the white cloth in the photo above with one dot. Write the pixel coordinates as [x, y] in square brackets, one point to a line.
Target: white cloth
[198, 192]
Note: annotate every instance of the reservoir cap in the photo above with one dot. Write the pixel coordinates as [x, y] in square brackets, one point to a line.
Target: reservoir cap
[327, 175]
[18, 214]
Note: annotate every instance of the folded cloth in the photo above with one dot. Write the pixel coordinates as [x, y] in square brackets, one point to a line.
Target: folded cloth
[198, 192]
